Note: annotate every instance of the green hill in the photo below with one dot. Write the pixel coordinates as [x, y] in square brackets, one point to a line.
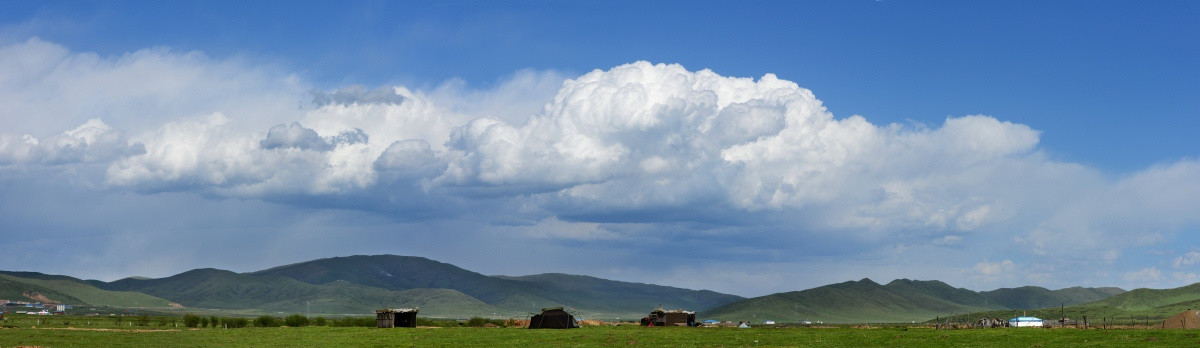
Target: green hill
[854, 302]
[1139, 306]
[67, 290]
[592, 296]
[1145, 303]
[1032, 297]
[394, 272]
[902, 300]
[219, 289]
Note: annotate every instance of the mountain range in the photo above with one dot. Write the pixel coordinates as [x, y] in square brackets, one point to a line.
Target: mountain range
[357, 285]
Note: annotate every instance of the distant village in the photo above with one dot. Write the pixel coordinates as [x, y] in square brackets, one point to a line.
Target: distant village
[35, 308]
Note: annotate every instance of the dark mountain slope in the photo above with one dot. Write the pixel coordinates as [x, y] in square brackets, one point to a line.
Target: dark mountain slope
[1032, 297]
[406, 272]
[213, 288]
[612, 296]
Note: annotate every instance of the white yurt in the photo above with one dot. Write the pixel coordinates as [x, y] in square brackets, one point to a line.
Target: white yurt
[1025, 322]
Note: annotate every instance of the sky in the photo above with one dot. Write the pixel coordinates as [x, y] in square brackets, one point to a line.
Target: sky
[747, 148]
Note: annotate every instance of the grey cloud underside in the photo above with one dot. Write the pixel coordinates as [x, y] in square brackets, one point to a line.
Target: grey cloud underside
[295, 135]
[357, 94]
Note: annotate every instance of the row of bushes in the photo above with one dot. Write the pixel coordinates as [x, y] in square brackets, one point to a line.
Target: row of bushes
[214, 321]
[298, 320]
[294, 320]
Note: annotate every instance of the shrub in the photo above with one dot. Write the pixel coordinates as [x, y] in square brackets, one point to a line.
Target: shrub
[191, 320]
[236, 323]
[214, 321]
[480, 322]
[319, 321]
[439, 322]
[295, 320]
[352, 321]
[266, 321]
[203, 322]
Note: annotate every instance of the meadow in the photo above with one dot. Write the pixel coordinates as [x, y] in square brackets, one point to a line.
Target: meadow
[162, 331]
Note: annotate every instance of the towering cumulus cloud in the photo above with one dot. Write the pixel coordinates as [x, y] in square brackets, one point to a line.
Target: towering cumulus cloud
[662, 137]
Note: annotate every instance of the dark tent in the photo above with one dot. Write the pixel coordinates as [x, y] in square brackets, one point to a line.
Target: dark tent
[389, 317]
[553, 318]
[677, 317]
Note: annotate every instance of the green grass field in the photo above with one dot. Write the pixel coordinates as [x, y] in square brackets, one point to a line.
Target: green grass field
[105, 332]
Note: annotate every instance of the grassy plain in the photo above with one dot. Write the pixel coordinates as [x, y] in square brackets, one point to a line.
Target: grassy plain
[80, 332]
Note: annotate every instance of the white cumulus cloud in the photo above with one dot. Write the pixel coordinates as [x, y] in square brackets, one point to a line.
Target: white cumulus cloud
[995, 269]
[93, 141]
[1188, 259]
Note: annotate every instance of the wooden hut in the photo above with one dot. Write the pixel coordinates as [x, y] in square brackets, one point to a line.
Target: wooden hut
[396, 317]
[553, 318]
[677, 317]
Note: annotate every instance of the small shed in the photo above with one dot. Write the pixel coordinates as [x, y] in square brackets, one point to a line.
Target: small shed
[553, 318]
[396, 317]
[677, 317]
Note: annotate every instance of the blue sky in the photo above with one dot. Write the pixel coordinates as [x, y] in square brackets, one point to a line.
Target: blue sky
[1031, 143]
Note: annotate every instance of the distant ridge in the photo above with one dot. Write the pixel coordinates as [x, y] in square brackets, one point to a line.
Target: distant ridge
[901, 300]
